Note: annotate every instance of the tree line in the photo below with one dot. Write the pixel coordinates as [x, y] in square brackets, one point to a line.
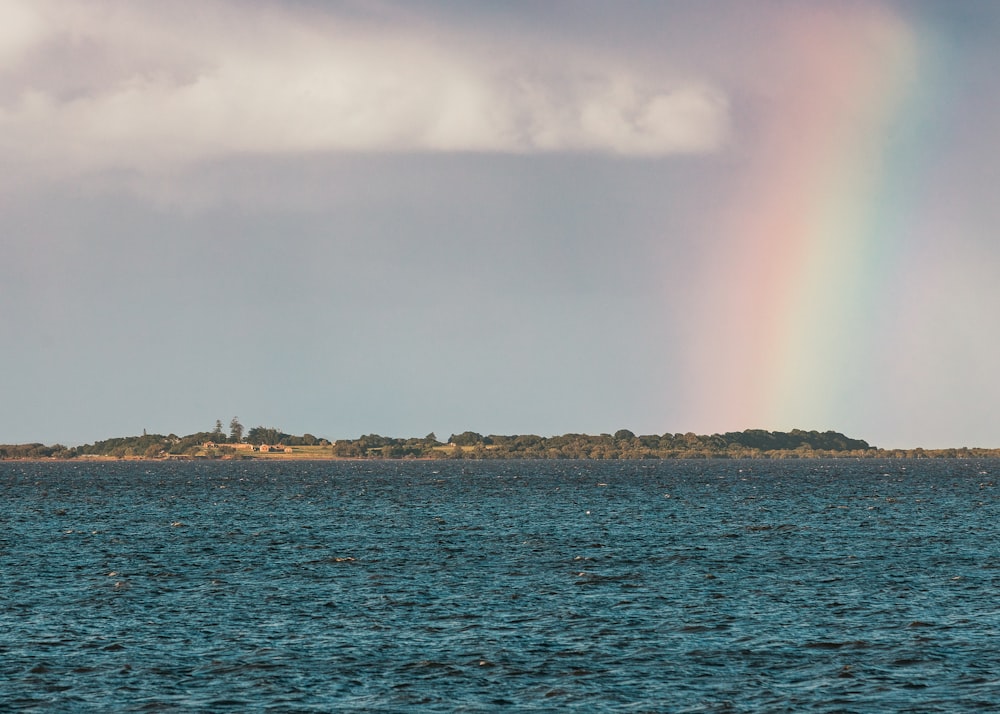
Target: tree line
[623, 444]
[215, 443]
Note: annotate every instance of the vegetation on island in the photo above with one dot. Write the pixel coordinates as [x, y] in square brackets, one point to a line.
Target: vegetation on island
[623, 444]
[214, 444]
[271, 442]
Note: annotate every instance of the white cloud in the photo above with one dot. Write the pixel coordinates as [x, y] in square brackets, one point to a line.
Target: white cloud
[114, 85]
[21, 26]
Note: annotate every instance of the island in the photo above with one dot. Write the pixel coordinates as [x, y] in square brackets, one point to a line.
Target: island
[272, 443]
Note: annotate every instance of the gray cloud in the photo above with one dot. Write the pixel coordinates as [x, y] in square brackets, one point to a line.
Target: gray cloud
[112, 85]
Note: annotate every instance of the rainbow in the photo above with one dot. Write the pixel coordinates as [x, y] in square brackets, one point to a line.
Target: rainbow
[805, 248]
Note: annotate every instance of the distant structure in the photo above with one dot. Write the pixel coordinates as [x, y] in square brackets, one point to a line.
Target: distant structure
[268, 448]
[239, 446]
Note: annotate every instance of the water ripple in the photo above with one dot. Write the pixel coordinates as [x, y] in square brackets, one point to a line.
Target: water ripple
[808, 586]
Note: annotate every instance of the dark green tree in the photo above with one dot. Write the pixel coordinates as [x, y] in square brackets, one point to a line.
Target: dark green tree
[466, 438]
[235, 431]
[266, 435]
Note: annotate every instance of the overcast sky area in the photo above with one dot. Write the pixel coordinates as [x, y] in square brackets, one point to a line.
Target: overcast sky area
[522, 217]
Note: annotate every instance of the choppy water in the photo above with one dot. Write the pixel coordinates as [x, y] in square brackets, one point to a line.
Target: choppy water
[447, 586]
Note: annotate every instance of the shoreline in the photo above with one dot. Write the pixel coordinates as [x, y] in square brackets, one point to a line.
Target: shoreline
[885, 455]
[623, 445]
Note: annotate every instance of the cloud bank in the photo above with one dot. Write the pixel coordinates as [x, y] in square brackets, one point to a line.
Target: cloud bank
[133, 86]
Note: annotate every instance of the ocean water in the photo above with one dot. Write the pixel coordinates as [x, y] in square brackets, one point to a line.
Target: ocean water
[676, 586]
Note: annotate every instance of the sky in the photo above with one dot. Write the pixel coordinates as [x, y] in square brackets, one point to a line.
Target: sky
[347, 217]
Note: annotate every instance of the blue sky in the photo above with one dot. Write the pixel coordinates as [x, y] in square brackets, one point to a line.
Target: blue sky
[355, 217]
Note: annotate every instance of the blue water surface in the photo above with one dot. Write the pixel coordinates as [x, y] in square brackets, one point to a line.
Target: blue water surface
[675, 586]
